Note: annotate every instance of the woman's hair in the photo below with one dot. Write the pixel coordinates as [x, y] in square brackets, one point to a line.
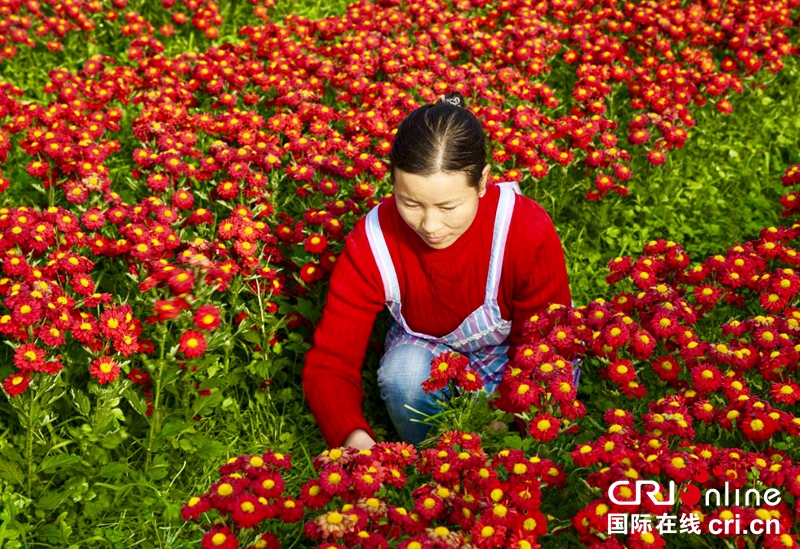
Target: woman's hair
[440, 137]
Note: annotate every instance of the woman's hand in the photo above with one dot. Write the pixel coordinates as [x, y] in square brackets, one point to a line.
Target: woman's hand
[359, 439]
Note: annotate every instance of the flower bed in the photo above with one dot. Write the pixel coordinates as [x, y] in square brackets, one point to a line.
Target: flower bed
[177, 181]
[699, 384]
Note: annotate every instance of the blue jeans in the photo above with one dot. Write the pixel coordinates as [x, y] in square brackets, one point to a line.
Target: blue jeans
[400, 375]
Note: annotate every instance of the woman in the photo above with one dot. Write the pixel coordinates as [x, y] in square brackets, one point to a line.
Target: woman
[460, 264]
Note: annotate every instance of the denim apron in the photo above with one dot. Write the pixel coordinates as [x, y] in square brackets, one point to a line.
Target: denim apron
[483, 335]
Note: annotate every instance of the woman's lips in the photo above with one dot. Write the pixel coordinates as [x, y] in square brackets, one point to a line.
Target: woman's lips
[434, 240]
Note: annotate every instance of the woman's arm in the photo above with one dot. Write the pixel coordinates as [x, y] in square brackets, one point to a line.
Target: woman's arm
[332, 371]
[540, 271]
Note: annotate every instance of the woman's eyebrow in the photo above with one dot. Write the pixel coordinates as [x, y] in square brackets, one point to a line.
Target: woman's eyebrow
[406, 199]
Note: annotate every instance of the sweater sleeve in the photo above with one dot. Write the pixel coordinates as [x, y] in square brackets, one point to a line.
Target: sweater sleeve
[540, 270]
[332, 371]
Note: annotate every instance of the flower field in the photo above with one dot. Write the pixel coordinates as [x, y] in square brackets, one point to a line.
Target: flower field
[178, 178]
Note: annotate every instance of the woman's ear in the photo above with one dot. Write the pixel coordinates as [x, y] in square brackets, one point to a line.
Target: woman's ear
[484, 180]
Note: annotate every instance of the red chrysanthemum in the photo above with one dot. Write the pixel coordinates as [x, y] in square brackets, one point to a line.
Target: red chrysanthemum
[104, 369]
[311, 272]
[444, 368]
[248, 511]
[706, 378]
[139, 377]
[192, 343]
[207, 318]
[180, 281]
[313, 496]
[544, 427]
[28, 357]
[642, 344]
[759, 427]
[316, 243]
[334, 480]
[523, 393]
[785, 393]
[621, 371]
[194, 507]
[219, 538]
[290, 510]
[166, 309]
[488, 534]
[15, 384]
[469, 380]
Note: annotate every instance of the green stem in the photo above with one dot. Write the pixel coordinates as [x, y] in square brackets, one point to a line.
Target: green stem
[185, 397]
[52, 197]
[156, 400]
[29, 445]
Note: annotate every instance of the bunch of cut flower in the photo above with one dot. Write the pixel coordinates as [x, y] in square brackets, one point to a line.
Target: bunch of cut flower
[452, 370]
[458, 386]
[453, 495]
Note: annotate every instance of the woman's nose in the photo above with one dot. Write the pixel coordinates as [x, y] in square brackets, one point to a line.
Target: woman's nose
[430, 224]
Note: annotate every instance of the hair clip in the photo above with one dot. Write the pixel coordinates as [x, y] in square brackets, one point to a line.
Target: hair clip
[453, 100]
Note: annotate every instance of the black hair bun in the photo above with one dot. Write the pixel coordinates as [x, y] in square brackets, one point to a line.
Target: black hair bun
[455, 99]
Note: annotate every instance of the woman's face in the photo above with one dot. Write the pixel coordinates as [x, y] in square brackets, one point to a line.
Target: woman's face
[440, 207]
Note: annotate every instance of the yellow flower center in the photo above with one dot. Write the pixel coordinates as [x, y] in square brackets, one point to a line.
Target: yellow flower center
[335, 518]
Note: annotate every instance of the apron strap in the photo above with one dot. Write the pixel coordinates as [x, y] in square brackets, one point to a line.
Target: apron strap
[380, 252]
[505, 208]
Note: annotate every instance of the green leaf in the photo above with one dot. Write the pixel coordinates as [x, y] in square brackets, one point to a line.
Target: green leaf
[114, 469]
[175, 427]
[159, 469]
[204, 403]
[11, 453]
[211, 383]
[51, 500]
[51, 463]
[307, 308]
[11, 473]
[186, 445]
[170, 374]
[209, 448]
[81, 402]
[113, 440]
[93, 509]
[261, 368]
[50, 532]
[513, 442]
[172, 513]
[106, 414]
[137, 403]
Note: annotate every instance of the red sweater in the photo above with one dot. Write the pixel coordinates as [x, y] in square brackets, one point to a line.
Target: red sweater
[438, 288]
